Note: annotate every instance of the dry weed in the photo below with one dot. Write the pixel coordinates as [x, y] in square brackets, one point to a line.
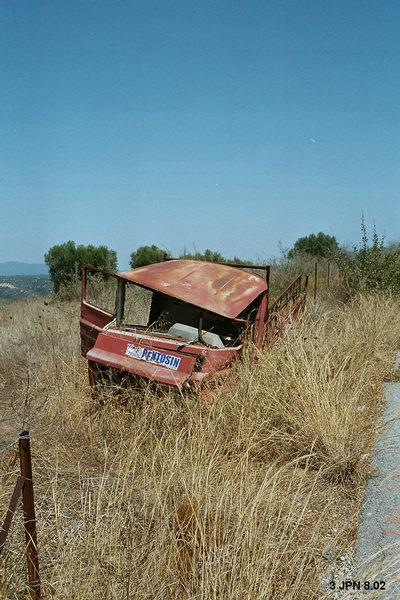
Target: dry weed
[157, 500]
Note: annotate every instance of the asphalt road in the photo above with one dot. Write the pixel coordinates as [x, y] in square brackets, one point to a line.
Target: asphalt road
[377, 557]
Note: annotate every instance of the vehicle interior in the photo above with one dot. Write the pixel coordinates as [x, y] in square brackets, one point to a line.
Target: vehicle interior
[142, 309]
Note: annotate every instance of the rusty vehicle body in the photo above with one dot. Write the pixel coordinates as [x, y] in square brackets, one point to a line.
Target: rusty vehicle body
[198, 318]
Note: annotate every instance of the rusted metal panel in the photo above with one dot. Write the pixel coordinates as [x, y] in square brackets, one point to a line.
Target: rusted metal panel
[137, 355]
[146, 370]
[266, 268]
[92, 321]
[117, 349]
[217, 288]
[217, 362]
[93, 318]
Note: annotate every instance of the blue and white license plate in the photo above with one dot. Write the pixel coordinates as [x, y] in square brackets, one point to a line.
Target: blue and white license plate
[153, 356]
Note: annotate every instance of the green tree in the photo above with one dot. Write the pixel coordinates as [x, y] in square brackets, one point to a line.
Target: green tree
[322, 245]
[146, 255]
[209, 256]
[66, 260]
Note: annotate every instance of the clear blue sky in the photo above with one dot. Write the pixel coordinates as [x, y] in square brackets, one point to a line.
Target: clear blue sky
[225, 125]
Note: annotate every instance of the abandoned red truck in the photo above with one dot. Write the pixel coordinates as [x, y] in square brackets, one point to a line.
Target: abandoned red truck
[180, 322]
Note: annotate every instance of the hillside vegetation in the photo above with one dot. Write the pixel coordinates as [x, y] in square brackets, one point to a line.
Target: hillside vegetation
[13, 287]
[167, 499]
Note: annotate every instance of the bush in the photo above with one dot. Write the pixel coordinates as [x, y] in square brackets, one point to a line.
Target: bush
[370, 267]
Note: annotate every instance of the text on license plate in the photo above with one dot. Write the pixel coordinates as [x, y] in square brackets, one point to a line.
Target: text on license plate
[153, 356]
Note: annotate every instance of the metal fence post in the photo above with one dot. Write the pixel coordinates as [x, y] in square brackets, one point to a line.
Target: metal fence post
[315, 282]
[329, 274]
[267, 278]
[29, 516]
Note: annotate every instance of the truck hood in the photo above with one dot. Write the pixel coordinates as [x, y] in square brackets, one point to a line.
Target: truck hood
[217, 288]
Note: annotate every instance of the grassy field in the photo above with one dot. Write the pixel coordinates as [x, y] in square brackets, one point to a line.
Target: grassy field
[255, 498]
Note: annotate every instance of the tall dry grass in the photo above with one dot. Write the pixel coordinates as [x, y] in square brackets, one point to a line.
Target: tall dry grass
[169, 499]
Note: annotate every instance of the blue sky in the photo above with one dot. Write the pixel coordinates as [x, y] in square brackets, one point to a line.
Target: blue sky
[235, 126]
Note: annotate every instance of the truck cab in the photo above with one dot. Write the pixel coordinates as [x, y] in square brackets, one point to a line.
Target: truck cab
[178, 323]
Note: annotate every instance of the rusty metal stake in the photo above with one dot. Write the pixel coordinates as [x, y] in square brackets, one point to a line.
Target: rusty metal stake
[29, 516]
[315, 282]
[329, 273]
[268, 274]
[10, 512]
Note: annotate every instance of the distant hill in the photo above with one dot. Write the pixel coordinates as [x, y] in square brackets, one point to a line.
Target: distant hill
[15, 287]
[20, 268]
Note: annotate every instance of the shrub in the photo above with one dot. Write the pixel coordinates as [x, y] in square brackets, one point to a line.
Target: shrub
[370, 267]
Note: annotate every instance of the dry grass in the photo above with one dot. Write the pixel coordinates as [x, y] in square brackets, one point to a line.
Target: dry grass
[168, 499]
